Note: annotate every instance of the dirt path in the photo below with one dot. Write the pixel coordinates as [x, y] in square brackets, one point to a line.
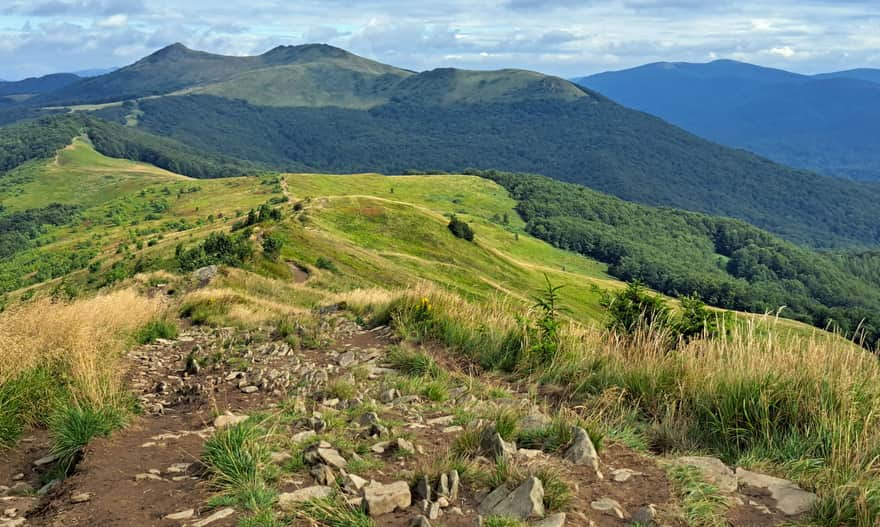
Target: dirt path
[151, 469]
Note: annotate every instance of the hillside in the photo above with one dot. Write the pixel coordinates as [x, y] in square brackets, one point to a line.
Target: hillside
[288, 338]
[36, 85]
[319, 108]
[591, 141]
[826, 123]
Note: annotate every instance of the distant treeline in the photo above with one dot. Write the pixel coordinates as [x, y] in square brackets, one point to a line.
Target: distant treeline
[728, 263]
[41, 138]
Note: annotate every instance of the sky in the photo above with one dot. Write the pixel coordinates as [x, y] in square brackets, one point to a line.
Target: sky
[561, 37]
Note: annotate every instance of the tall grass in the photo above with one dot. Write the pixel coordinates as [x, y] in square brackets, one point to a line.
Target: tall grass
[53, 353]
[808, 405]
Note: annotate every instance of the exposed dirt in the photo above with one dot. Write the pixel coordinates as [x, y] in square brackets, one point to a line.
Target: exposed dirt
[151, 468]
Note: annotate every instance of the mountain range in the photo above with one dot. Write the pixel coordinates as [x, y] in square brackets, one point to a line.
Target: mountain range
[828, 122]
[322, 109]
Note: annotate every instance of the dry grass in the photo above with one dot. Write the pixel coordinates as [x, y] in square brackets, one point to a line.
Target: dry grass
[84, 338]
[804, 406]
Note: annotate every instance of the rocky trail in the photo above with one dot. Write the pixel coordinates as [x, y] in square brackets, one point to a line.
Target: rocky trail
[360, 431]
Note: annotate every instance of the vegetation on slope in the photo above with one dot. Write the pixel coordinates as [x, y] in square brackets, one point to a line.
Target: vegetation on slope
[590, 141]
[727, 262]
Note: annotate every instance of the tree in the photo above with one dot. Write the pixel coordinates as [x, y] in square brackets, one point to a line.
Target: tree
[272, 245]
[461, 229]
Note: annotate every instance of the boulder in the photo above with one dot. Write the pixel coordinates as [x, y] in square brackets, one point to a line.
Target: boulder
[493, 499]
[582, 451]
[491, 443]
[714, 471]
[381, 499]
[790, 499]
[524, 503]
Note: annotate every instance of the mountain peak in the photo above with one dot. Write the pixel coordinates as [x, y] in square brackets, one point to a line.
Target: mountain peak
[304, 52]
[170, 52]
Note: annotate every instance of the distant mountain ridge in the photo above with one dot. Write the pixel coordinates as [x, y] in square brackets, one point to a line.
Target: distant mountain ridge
[37, 85]
[319, 108]
[828, 122]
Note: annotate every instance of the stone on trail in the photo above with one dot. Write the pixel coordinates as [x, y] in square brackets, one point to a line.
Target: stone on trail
[493, 499]
[714, 471]
[420, 521]
[81, 497]
[493, 444]
[790, 499]
[219, 515]
[582, 451]
[609, 506]
[381, 499]
[181, 515]
[645, 515]
[524, 503]
[228, 419]
[554, 520]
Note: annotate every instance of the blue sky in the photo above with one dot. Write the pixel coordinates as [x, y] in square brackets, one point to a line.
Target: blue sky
[562, 37]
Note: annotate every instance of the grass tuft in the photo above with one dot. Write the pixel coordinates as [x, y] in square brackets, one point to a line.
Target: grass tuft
[333, 512]
[73, 426]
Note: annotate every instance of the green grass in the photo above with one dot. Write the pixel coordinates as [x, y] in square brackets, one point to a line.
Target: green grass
[333, 512]
[73, 426]
[237, 459]
[156, 329]
[27, 400]
[702, 504]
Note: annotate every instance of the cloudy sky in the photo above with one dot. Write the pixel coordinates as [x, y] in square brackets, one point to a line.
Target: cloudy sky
[563, 37]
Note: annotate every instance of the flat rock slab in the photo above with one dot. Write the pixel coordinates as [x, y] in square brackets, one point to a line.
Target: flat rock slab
[790, 499]
[714, 471]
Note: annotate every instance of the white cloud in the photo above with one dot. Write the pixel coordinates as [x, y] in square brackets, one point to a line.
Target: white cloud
[113, 21]
[784, 51]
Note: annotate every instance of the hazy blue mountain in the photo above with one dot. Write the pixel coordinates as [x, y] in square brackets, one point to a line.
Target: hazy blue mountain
[829, 123]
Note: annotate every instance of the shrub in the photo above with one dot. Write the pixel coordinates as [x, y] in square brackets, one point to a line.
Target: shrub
[218, 248]
[326, 264]
[156, 329]
[635, 309]
[461, 229]
[272, 245]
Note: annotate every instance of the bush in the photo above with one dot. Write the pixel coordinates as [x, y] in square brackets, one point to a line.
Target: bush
[634, 309]
[156, 329]
[272, 245]
[218, 248]
[461, 229]
[326, 264]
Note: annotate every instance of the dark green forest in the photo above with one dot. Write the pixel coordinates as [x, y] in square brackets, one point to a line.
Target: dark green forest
[728, 263]
[41, 138]
[593, 142]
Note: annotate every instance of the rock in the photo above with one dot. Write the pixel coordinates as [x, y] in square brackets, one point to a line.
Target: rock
[16, 522]
[454, 485]
[554, 520]
[178, 468]
[790, 499]
[45, 460]
[389, 395]
[288, 501]
[453, 429]
[228, 419]
[609, 506]
[419, 521]
[369, 419]
[433, 510]
[441, 421]
[144, 476]
[323, 475]
[182, 515]
[494, 445]
[82, 497]
[443, 485]
[346, 359]
[219, 515]
[381, 499]
[11, 512]
[354, 483]
[622, 475]
[534, 420]
[301, 437]
[203, 275]
[714, 471]
[525, 503]
[645, 515]
[331, 457]
[279, 457]
[402, 446]
[422, 490]
[250, 389]
[47, 488]
[582, 451]
[493, 499]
